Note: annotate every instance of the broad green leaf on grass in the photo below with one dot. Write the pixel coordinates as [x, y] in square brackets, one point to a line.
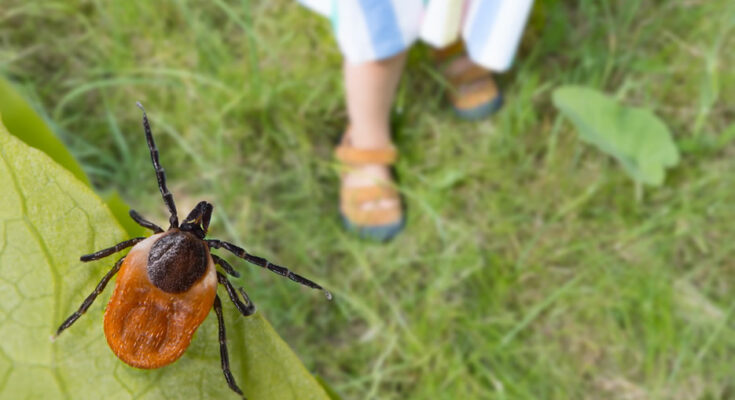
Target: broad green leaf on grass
[634, 136]
[333, 395]
[24, 123]
[120, 209]
[49, 218]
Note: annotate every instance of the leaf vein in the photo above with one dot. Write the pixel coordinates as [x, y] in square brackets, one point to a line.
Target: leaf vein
[47, 255]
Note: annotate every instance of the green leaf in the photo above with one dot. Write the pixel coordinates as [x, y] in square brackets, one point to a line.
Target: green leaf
[333, 395]
[119, 209]
[49, 218]
[25, 124]
[638, 139]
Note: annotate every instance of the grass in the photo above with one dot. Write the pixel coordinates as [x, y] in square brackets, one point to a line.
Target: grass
[528, 269]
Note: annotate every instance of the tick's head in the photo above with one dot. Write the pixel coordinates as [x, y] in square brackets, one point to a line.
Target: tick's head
[197, 222]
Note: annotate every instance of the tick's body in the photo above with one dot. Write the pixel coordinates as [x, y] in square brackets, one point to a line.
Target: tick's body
[146, 326]
[167, 284]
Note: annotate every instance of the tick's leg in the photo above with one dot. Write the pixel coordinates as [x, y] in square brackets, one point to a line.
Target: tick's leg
[247, 308]
[168, 198]
[225, 265]
[90, 299]
[223, 348]
[110, 250]
[262, 262]
[144, 222]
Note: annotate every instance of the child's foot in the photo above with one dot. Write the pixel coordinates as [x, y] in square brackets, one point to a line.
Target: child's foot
[369, 203]
[474, 94]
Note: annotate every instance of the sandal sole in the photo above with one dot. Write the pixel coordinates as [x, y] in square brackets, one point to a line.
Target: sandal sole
[380, 233]
[481, 111]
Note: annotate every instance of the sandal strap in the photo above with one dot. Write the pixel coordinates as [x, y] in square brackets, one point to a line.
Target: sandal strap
[351, 155]
[368, 218]
[449, 52]
[470, 74]
[366, 194]
[476, 94]
[354, 198]
[445, 59]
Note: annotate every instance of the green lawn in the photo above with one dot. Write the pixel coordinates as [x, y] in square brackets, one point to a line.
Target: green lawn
[528, 269]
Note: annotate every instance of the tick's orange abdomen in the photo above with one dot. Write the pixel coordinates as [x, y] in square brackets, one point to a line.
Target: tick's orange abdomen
[147, 327]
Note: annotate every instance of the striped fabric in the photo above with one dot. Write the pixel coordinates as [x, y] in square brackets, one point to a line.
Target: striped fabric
[369, 30]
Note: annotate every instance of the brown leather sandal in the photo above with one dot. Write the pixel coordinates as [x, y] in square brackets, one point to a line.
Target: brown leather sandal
[474, 94]
[378, 223]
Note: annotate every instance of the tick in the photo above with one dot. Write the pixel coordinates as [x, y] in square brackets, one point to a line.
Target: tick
[167, 284]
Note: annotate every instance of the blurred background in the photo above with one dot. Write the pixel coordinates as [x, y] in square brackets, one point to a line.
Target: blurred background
[530, 266]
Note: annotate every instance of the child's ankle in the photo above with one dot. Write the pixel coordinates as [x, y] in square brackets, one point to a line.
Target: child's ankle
[370, 137]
